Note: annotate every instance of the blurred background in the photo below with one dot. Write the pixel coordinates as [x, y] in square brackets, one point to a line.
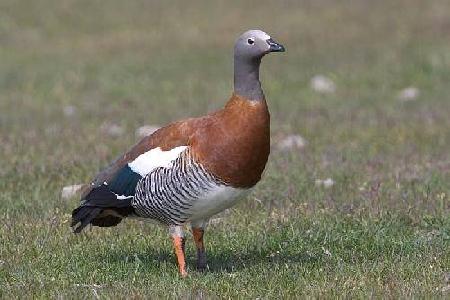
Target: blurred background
[359, 104]
[77, 78]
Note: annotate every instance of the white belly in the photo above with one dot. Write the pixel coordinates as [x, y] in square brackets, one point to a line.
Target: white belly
[215, 201]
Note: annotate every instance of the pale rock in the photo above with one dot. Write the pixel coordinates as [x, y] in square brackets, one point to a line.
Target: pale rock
[112, 129]
[71, 190]
[328, 182]
[146, 130]
[291, 142]
[409, 94]
[322, 84]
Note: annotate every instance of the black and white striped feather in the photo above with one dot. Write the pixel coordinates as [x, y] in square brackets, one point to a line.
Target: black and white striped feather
[168, 194]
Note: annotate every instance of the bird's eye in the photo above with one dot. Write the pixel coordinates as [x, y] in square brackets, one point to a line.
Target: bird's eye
[250, 41]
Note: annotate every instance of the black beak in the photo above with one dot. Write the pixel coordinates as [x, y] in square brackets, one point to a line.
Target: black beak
[274, 46]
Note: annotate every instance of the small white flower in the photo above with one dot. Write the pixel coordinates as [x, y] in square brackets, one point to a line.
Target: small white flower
[326, 251]
[326, 183]
[215, 221]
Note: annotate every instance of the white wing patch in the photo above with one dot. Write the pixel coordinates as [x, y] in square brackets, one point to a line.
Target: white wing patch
[123, 197]
[146, 162]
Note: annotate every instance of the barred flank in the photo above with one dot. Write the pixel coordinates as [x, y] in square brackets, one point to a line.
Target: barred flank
[166, 194]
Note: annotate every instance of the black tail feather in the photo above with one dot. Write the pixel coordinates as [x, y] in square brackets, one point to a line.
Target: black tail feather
[79, 214]
[97, 201]
[89, 214]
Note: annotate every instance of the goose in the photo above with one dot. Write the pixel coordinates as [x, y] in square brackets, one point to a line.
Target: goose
[192, 169]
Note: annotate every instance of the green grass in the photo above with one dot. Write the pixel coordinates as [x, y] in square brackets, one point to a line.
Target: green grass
[382, 230]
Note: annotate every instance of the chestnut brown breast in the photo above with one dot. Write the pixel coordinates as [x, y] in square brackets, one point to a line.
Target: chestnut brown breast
[234, 143]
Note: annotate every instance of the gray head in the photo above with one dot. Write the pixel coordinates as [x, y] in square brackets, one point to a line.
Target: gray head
[250, 47]
[254, 44]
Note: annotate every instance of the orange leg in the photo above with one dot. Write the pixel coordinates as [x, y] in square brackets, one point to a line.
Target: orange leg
[178, 244]
[198, 232]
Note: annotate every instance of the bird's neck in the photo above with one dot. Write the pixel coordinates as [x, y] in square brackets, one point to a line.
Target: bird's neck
[246, 79]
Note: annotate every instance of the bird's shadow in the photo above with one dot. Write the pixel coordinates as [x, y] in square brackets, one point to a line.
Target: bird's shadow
[219, 261]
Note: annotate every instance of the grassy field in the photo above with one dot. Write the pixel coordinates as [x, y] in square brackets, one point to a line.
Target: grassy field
[70, 68]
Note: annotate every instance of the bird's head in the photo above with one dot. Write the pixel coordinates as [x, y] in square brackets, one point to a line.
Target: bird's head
[254, 44]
